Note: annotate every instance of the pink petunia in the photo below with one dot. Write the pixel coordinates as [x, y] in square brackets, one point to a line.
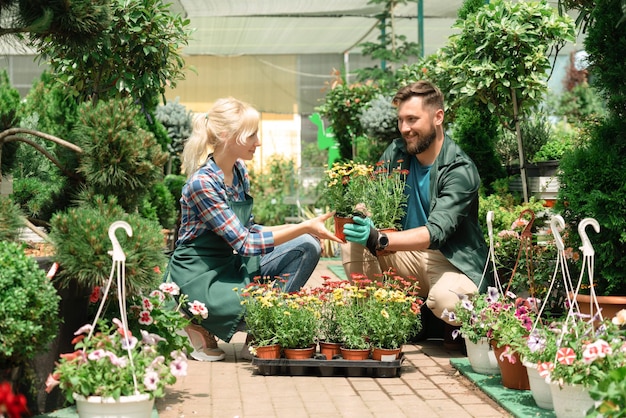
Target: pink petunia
[566, 355]
[151, 380]
[178, 367]
[509, 355]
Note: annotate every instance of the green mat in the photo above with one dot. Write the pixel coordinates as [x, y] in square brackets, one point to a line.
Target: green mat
[338, 271]
[519, 403]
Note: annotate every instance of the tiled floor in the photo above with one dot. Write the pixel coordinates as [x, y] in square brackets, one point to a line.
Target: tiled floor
[426, 387]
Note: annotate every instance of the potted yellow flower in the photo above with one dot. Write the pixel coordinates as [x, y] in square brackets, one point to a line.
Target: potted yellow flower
[391, 313]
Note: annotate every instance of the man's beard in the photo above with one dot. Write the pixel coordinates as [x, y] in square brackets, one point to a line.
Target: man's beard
[422, 144]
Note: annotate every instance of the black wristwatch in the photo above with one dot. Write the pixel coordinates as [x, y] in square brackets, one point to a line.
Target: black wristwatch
[383, 241]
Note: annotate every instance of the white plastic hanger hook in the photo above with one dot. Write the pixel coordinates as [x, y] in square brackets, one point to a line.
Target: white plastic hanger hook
[587, 248]
[555, 223]
[118, 253]
[490, 224]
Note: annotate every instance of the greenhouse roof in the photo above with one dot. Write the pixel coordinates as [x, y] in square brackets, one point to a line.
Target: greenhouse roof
[259, 27]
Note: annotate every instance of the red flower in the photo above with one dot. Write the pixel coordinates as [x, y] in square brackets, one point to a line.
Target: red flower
[95, 295]
[14, 404]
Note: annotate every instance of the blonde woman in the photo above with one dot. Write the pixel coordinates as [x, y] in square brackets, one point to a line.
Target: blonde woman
[219, 247]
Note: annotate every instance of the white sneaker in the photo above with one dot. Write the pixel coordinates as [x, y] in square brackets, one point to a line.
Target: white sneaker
[208, 354]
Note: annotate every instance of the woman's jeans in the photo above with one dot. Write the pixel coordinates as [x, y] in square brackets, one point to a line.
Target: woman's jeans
[292, 263]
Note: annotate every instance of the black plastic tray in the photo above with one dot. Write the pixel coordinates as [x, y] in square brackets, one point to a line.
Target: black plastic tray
[319, 366]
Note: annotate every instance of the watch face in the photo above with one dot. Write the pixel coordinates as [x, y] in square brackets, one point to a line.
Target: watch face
[383, 241]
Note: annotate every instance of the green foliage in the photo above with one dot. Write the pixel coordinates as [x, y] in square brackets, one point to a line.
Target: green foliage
[475, 129]
[379, 120]
[72, 23]
[269, 189]
[391, 48]
[40, 187]
[610, 393]
[119, 157]
[606, 44]
[177, 120]
[160, 205]
[579, 105]
[558, 144]
[80, 236]
[342, 107]
[501, 50]
[9, 102]
[10, 219]
[592, 183]
[137, 55]
[29, 308]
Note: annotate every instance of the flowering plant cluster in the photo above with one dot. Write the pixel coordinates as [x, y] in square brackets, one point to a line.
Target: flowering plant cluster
[586, 350]
[384, 198]
[503, 318]
[109, 361]
[360, 313]
[341, 190]
[263, 308]
[392, 312]
[298, 324]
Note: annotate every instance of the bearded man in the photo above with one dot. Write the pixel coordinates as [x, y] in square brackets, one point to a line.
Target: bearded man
[441, 243]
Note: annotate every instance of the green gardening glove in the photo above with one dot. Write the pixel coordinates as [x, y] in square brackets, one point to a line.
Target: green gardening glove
[362, 232]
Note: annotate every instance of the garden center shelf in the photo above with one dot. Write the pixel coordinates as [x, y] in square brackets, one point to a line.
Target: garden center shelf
[319, 366]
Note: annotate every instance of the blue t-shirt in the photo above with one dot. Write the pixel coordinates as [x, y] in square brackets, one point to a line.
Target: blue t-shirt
[418, 182]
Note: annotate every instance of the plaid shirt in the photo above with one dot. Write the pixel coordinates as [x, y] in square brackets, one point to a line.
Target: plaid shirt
[204, 207]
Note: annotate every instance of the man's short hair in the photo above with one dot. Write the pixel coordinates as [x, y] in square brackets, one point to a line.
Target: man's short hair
[430, 94]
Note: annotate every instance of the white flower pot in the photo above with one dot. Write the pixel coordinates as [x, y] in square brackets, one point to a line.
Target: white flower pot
[135, 406]
[570, 401]
[539, 388]
[481, 357]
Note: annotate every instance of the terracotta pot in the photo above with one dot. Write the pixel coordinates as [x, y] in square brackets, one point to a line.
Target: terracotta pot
[299, 353]
[355, 354]
[329, 350]
[340, 221]
[610, 305]
[386, 354]
[268, 351]
[514, 375]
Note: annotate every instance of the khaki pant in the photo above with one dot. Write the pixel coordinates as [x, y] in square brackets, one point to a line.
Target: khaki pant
[439, 280]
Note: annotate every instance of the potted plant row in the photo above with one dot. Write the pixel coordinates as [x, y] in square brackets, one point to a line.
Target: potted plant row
[358, 314]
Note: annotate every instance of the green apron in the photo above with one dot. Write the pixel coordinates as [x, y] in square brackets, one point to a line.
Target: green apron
[206, 269]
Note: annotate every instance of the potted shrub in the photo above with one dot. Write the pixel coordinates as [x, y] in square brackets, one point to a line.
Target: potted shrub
[28, 313]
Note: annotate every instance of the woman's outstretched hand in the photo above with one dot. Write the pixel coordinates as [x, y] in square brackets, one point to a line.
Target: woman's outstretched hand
[317, 227]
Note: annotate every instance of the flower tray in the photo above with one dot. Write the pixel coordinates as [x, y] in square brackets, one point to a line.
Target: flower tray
[319, 366]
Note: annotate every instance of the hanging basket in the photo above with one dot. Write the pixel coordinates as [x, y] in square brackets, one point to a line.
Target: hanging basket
[135, 406]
